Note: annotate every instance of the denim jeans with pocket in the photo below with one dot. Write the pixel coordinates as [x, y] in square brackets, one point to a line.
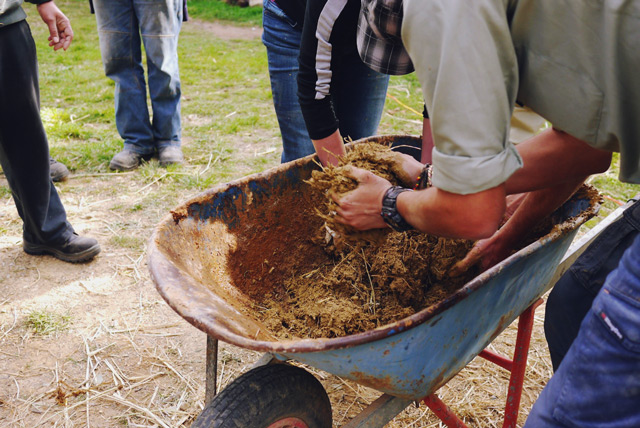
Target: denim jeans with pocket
[123, 25]
[358, 95]
[598, 383]
[573, 295]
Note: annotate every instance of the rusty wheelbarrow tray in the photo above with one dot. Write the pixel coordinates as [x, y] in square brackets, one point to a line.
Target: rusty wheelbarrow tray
[191, 250]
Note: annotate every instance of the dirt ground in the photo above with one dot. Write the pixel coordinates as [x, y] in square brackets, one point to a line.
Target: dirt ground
[122, 357]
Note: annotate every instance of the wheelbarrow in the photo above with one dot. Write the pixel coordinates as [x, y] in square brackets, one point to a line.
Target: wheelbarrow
[194, 249]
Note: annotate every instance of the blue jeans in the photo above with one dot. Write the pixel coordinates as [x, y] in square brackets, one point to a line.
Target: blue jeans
[121, 23]
[572, 296]
[24, 150]
[358, 96]
[598, 383]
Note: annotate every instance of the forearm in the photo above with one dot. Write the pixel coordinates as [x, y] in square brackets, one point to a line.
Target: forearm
[330, 148]
[427, 141]
[478, 215]
[554, 158]
[524, 212]
[555, 165]
[536, 206]
[435, 211]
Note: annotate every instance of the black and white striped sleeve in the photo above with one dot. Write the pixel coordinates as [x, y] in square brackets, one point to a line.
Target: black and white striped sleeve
[321, 39]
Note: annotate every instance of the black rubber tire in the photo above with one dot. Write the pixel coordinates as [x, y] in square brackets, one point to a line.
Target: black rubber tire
[268, 394]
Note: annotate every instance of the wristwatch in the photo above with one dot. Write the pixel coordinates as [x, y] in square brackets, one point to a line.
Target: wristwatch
[390, 213]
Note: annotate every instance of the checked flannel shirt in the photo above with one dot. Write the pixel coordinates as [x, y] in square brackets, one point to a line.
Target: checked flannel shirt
[378, 38]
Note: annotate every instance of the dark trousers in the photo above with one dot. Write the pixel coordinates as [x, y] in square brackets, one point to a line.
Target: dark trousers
[598, 383]
[572, 296]
[24, 150]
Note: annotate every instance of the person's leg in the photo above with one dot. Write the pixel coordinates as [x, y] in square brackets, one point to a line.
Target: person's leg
[598, 383]
[160, 23]
[24, 154]
[573, 294]
[24, 151]
[281, 36]
[358, 96]
[120, 47]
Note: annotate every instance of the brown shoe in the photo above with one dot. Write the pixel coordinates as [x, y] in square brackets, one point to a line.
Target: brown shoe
[170, 155]
[126, 160]
[58, 171]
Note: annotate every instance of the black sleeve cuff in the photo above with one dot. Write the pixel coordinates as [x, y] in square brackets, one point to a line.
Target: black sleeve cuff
[39, 2]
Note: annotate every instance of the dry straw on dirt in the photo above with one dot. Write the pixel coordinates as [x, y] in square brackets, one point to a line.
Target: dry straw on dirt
[365, 279]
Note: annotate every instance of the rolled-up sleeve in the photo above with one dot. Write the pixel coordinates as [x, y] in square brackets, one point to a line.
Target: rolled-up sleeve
[466, 64]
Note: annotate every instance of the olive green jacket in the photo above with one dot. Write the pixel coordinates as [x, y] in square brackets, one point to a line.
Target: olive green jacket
[11, 11]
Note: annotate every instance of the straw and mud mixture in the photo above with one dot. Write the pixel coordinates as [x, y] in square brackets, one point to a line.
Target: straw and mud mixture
[364, 279]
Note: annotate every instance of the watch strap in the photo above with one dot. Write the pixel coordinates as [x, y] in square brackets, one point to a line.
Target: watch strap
[389, 211]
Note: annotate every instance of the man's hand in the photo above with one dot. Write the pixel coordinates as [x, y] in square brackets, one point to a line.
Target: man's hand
[407, 170]
[485, 251]
[491, 251]
[60, 32]
[360, 208]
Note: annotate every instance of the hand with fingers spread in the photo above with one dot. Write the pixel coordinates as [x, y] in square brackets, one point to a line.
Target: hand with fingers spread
[360, 208]
[60, 32]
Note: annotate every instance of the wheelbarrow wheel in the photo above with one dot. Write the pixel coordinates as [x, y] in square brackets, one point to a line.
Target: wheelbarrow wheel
[272, 396]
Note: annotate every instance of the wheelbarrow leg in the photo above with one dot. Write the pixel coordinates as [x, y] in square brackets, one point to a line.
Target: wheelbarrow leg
[211, 371]
[443, 412]
[523, 340]
[379, 413]
[517, 367]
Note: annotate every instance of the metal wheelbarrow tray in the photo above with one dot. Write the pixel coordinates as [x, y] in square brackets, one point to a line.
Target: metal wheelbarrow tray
[194, 250]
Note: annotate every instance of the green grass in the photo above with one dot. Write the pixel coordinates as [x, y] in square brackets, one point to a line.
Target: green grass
[129, 242]
[229, 125]
[226, 97]
[403, 108]
[218, 10]
[44, 322]
[226, 104]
